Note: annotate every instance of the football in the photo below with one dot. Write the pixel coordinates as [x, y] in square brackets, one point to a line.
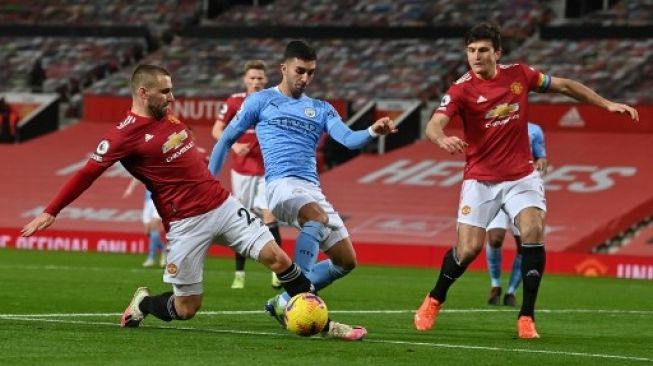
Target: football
[306, 314]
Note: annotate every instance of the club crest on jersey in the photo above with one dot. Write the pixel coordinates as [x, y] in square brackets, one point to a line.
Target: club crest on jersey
[174, 120]
[174, 141]
[516, 87]
[310, 112]
[502, 110]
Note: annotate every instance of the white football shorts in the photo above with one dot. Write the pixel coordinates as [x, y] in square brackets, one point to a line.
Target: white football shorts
[250, 190]
[480, 202]
[502, 221]
[189, 240]
[287, 195]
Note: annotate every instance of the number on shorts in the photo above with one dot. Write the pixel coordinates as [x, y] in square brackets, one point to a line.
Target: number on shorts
[243, 212]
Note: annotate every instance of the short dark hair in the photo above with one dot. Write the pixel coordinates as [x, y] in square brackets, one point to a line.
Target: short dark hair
[300, 50]
[144, 75]
[485, 31]
[254, 65]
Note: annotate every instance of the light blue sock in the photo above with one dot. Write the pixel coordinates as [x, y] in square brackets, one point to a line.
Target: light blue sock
[515, 276]
[155, 243]
[323, 274]
[494, 264]
[307, 245]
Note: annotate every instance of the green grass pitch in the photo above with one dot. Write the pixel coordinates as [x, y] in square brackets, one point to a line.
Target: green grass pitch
[63, 309]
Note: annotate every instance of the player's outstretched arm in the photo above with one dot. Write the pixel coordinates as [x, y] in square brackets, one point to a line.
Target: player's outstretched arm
[41, 222]
[240, 149]
[435, 133]
[73, 188]
[582, 93]
[221, 148]
[353, 140]
[245, 118]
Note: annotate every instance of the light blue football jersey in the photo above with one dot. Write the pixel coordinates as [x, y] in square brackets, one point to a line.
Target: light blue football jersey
[288, 130]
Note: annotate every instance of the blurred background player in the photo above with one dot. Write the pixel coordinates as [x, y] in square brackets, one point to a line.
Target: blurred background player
[153, 227]
[492, 101]
[289, 125]
[496, 231]
[247, 170]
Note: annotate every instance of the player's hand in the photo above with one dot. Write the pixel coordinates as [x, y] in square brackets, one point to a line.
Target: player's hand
[39, 223]
[542, 166]
[384, 126]
[453, 144]
[240, 149]
[624, 109]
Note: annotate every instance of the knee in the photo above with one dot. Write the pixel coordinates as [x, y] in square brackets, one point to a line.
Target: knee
[495, 243]
[495, 238]
[322, 218]
[348, 265]
[320, 222]
[532, 231]
[312, 212]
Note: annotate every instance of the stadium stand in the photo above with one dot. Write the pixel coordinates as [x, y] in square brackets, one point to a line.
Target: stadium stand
[166, 16]
[519, 17]
[412, 68]
[211, 66]
[72, 63]
[640, 244]
[618, 76]
[68, 62]
[349, 69]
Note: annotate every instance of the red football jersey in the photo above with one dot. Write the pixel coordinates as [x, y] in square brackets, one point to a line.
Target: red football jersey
[163, 155]
[494, 115]
[252, 162]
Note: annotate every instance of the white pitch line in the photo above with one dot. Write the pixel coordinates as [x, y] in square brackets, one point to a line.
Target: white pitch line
[249, 312]
[515, 350]
[377, 341]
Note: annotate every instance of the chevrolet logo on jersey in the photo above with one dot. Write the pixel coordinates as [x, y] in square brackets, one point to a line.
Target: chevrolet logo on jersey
[174, 141]
[502, 110]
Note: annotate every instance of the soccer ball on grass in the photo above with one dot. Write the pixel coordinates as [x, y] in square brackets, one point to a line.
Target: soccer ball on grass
[306, 314]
